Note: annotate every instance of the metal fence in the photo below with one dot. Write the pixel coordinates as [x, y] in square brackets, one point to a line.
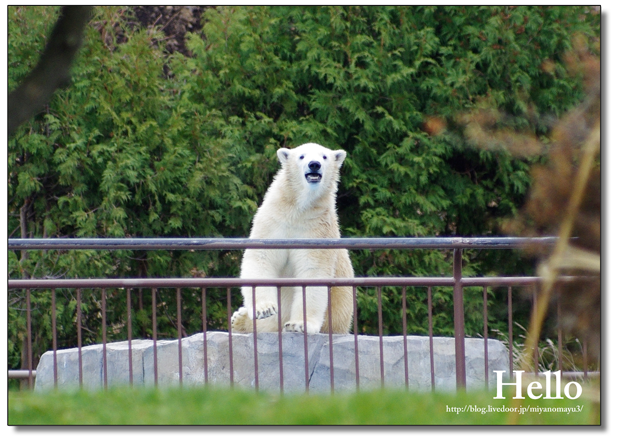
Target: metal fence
[457, 282]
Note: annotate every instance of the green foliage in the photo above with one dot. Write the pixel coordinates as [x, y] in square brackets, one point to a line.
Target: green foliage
[150, 144]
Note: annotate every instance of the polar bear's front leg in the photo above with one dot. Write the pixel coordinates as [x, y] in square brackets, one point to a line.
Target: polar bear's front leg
[310, 264]
[316, 305]
[261, 264]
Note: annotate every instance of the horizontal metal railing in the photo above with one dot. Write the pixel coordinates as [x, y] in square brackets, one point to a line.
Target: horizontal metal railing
[22, 374]
[215, 282]
[457, 282]
[246, 243]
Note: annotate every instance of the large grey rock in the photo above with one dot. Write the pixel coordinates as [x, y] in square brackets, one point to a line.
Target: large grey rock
[290, 376]
[418, 363]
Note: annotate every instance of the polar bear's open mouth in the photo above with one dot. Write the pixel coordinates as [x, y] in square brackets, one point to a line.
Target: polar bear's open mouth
[313, 177]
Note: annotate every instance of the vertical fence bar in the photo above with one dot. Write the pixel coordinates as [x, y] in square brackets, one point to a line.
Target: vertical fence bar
[486, 337]
[280, 360]
[140, 308]
[29, 340]
[430, 334]
[355, 333]
[79, 334]
[180, 335]
[104, 338]
[380, 312]
[331, 340]
[255, 331]
[534, 306]
[306, 364]
[230, 339]
[459, 320]
[585, 359]
[129, 330]
[54, 338]
[405, 353]
[560, 346]
[510, 334]
[204, 333]
[154, 320]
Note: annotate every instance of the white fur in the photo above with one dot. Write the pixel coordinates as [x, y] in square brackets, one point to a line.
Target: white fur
[298, 206]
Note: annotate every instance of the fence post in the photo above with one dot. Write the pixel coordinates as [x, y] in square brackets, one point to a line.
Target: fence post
[459, 319]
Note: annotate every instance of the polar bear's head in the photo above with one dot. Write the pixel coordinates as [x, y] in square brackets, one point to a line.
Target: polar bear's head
[312, 166]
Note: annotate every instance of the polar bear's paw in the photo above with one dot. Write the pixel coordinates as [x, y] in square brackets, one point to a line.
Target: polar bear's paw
[298, 327]
[239, 319]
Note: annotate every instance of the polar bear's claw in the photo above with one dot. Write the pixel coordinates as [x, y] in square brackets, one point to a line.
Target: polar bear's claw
[264, 311]
[296, 327]
[300, 327]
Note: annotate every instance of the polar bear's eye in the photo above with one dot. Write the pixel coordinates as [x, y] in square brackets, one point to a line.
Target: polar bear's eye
[301, 157]
[324, 157]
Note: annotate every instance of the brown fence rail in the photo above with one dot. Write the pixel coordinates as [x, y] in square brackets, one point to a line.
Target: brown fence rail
[457, 282]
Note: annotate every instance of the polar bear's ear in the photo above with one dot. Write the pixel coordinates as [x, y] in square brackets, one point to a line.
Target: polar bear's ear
[339, 156]
[283, 155]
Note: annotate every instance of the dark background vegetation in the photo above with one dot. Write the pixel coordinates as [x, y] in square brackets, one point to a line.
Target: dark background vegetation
[174, 114]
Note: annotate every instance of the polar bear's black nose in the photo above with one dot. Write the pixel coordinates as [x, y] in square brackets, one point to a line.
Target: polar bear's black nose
[314, 166]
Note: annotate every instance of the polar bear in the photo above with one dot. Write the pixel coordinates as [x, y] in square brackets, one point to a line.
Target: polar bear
[300, 203]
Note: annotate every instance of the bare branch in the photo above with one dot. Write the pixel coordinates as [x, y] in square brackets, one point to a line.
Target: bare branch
[52, 71]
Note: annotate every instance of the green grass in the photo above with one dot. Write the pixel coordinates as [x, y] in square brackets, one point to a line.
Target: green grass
[209, 406]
